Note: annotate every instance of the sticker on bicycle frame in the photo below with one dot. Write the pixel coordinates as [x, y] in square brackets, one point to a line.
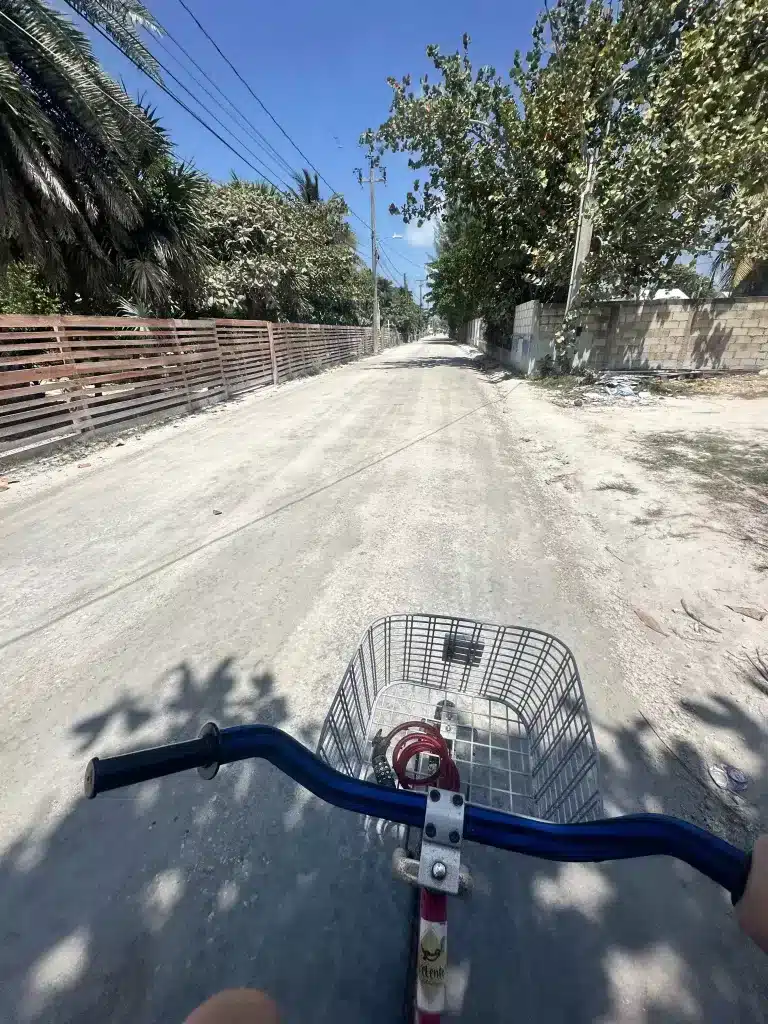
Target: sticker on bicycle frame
[433, 953]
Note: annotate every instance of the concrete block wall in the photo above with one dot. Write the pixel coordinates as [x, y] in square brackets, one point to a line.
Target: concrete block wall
[662, 333]
[679, 334]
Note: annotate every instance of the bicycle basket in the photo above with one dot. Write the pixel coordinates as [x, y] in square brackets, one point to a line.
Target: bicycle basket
[518, 726]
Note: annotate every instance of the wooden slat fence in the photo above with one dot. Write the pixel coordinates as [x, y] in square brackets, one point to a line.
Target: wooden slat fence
[66, 376]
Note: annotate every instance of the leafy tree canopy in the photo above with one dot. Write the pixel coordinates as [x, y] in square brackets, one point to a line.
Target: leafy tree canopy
[277, 258]
[70, 139]
[667, 99]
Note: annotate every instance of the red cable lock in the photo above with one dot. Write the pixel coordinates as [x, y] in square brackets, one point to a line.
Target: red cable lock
[422, 739]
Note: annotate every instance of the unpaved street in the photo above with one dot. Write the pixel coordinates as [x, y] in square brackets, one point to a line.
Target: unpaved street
[132, 613]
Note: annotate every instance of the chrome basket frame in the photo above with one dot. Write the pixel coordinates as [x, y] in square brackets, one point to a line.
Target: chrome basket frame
[523, 738]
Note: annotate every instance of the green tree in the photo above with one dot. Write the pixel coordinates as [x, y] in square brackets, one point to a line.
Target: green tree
[22, 291]
[70, 139]
[667, 101]
[396, 305]
[308, 186]
[278, 259]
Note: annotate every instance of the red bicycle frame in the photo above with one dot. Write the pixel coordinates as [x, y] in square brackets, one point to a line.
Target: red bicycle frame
[431, 956]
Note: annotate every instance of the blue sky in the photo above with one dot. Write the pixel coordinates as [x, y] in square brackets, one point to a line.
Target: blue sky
[321, 69]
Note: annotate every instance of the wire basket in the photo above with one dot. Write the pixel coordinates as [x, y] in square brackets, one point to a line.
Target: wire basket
[518, 724]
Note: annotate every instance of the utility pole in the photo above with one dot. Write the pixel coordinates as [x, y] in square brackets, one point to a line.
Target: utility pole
[372, 180]
[421, 304]
[585, 222]
[583, 233]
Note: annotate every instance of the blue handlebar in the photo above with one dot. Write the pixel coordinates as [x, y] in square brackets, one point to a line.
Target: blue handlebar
[634, 835]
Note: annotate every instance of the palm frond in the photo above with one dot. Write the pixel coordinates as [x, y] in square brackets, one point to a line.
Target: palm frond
[122, 19]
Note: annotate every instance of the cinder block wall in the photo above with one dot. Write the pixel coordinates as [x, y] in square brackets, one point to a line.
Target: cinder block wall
[670, 334]
[660, 334]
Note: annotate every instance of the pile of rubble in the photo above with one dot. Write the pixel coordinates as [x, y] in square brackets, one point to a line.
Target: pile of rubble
[611, 387]
[614, 389]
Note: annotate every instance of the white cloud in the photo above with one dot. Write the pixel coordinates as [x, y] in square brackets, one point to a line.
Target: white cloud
[420, 237]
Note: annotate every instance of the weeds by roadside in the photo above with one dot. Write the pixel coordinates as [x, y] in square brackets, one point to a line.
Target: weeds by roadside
[565, 382]
[737, 385]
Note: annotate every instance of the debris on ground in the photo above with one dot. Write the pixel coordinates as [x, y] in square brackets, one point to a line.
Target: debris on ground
[697, 614]
[83, 465]
[217, 511]
[649, 386]
[752, 613]
[560, 476]
[648, 620]
[729, 778]
[760, 664]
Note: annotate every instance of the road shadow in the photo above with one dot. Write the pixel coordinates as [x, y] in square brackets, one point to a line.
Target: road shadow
[478, 362]
[425, 363]
[725, 467]
[137, 905]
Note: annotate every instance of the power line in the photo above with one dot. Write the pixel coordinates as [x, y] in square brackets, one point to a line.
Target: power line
[382, 250]
[189, 93]
[223, 109]
[274, 120]
[418, 266]
[255, 134]
[388, 264]
[225, 128]
[263, 106]
[180, 102]
[247, 125]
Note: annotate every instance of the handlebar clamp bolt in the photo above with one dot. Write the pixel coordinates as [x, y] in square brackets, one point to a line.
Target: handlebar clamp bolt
[430, 830]
[454, 836]
[439, 871]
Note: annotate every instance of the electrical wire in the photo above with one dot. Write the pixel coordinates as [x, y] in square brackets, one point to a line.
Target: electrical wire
[383, 252]
[271, 116]
[277, 124]
[388, 265]
[418, 266]
[176, 99]
[246, 124]
[188, 91]
[263, 106]
[223, 109]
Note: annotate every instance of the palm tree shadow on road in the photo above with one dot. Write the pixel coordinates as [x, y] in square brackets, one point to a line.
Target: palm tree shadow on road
[138, 905]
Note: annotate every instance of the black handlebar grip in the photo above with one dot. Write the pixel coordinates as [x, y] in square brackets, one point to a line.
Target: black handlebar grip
[103, 774]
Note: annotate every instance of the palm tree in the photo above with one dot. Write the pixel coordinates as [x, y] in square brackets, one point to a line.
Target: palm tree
[309, 187]
[163, 262]
[70, 137]
[740, 266]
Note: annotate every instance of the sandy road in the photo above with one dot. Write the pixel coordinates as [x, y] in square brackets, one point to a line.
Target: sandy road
[131, 613]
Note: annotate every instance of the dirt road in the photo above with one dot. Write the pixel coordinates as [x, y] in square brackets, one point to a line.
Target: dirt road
[132, 612]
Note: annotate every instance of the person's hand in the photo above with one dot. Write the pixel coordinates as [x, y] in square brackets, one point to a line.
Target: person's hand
[236, 1006]
[752, 908]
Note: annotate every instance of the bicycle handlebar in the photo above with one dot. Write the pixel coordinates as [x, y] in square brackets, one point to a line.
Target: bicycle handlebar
[622, 838]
